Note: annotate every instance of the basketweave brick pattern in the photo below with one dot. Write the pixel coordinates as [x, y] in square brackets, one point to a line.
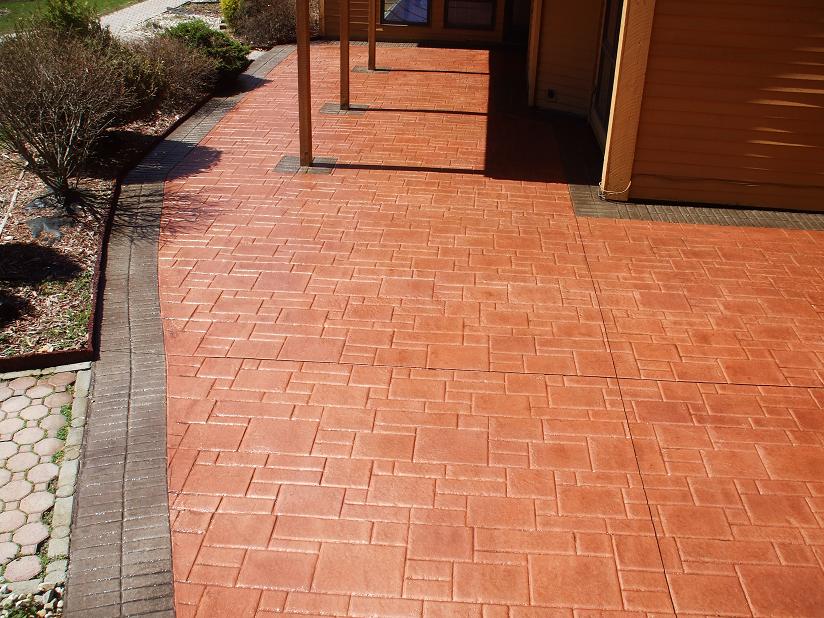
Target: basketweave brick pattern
[415, 386]
[120, 561]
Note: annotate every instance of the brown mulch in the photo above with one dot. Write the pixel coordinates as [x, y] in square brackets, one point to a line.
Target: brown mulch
[46, 282]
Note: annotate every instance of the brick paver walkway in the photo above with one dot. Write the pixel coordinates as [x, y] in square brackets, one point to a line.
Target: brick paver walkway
[420, 386]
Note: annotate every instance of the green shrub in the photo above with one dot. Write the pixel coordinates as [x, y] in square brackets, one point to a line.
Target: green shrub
[228, 54]
[68, 18]
[230, 9]
[185, 74]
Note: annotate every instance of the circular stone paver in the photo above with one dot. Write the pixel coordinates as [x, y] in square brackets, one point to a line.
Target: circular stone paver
[11, 520]
[23, 383]
[34, 413]
[37, 502]
[22, 462]
[5, 477]
[53, 422]
[43, 473]
[15, 490]
[40, 391]
[15, 404]
[55, 400]
[31, 534]
[8, 550]
[22, 569]
[29, 435]
[5, 393]
[49, 446]
[11, 425]
[61, 379]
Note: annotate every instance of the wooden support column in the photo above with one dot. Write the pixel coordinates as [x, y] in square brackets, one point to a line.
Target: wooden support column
[372, 32]
[534, 47]
[627, 95]
[304, 85]
[344, 53]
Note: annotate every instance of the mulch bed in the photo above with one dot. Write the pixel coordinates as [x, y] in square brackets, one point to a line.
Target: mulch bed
[46, 283]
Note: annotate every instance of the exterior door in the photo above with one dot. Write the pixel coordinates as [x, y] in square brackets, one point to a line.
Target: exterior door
[602, 99]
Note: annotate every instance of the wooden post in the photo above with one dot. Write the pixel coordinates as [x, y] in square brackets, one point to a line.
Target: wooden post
[344, 54]
[304, 86]
[627, 95]
[373, 25]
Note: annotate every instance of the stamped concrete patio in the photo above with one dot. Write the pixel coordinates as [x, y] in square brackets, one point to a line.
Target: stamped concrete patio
[419, 385]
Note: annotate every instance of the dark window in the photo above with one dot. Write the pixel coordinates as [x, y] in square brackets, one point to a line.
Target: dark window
[413, 12]
[471, 14]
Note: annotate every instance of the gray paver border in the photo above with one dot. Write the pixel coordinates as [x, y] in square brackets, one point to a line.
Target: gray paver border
[120, 561]
[586, 203]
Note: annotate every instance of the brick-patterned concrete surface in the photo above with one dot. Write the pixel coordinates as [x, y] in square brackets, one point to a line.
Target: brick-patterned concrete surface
[421, 386]
[121, 550]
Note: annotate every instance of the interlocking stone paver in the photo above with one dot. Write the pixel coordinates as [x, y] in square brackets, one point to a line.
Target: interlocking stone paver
[56, 400]
[40, 391]
[25, 472]
[22, 383]
[22, 569]
[43, 473]
[22, 462]
[11, 520]
[8, 551]
[7, 449]
[14, 404]
[37, 502]
[48, 446]
[34, 412]
[5, 392]
[64, 378]
[31, 534]
[15, 490]
[53, 422]
[30, 435]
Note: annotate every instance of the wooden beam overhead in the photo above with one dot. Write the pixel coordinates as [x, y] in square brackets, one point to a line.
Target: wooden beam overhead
[304, 85]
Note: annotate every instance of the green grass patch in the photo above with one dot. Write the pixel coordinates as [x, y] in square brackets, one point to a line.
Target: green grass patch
[62, 434]
[18, 9]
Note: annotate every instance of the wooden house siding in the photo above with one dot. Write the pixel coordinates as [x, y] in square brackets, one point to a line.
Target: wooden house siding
[435, 31]
[733, 104]
[567, 56]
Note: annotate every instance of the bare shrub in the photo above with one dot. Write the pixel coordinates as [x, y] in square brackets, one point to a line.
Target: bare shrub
[264, 23]
[185, 74]
[58, 95]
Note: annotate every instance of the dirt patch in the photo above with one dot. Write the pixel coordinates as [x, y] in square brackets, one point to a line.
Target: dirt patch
[48, 255]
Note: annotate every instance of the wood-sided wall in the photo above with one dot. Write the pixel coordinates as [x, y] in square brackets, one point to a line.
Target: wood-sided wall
[733, 104]
[435, 31]
[568, 54]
